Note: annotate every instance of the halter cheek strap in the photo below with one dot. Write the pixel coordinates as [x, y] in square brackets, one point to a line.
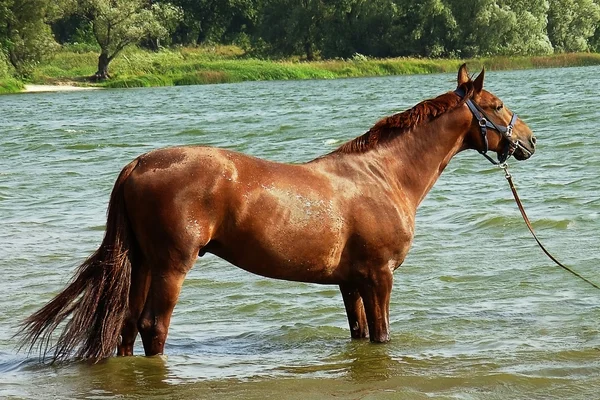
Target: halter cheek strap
[485, 123]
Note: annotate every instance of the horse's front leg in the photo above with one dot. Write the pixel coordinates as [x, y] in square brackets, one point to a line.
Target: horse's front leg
[355, 311]
[375, 291]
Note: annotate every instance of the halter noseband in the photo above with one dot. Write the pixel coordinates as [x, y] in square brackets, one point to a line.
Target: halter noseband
[484, 123]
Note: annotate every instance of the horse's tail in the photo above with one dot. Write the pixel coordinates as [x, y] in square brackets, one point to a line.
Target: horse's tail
[97, 298]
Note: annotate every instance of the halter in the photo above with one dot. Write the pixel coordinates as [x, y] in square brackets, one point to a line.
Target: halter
[484, 123]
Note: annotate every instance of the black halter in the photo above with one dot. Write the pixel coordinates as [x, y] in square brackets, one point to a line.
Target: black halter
[485, 123]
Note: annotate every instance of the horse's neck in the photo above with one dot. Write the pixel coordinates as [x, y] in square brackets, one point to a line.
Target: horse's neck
[416, 159]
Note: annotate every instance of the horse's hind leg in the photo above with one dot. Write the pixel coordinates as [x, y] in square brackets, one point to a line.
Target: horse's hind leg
[355, 311]
[165, 285]
[140, 281]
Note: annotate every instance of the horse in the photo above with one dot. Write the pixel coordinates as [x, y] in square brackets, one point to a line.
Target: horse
[346, 218]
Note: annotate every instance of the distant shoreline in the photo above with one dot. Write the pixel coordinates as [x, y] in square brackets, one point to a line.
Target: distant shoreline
[68, 70]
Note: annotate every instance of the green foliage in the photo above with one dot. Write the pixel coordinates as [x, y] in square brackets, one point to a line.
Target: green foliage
[501, 27]
[528, 34]
[572, 23]
[430, 28]
[78, 47]
[5, 67]
[290, 27]
[594, 42]
[138, 81]
[84, 34]
[10, 85]
[25, 35]
[389, 28]
[360, 26]
[66, 65]
[74, 28]
[215, 21]
[118, 23]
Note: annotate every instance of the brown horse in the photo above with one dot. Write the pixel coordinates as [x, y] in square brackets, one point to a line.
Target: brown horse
[346, 218]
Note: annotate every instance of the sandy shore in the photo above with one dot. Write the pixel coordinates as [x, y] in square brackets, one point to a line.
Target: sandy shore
[56, 88]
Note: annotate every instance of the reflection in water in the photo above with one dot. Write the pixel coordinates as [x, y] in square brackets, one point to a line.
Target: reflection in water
[114, 377]
[358, 360]
[123, 376]
[368, 362]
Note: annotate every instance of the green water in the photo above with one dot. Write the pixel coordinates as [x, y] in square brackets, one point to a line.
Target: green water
[477, 311]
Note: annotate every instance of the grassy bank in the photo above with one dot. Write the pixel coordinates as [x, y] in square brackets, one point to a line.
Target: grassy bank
[190, 66]
[10, 85]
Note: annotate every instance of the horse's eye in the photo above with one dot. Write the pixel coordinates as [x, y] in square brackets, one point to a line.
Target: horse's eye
[500, 107]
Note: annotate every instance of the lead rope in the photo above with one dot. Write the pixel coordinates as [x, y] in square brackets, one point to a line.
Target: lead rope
[508, 177]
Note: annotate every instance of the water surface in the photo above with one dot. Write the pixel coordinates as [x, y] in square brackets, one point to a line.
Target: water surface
[477, 310]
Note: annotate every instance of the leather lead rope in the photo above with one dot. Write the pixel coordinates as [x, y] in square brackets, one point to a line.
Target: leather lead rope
[528, 223]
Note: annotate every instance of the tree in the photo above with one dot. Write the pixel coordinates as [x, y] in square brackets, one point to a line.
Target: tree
[508, 27]
[291, 27]
[359, 26]
[215, 20]
[529, 35]
[119, 23]
[73, 28]
[572, 23]
[467, 43]
[430, 28]
[594, 41]
[25, 36]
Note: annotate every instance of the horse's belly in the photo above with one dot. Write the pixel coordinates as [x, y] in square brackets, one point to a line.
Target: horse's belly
[299, 257]
[284, 232]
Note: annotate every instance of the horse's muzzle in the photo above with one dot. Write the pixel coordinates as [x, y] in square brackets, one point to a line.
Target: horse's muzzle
[524, 150]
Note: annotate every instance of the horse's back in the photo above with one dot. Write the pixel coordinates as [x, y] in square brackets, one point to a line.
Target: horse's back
[288, 221]
[247, 210]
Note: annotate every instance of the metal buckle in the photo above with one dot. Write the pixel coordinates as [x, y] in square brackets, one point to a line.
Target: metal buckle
[483, 122]
[504, 166]
[509, 130]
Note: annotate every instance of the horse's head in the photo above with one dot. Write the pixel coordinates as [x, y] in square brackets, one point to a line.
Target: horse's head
[494, 126]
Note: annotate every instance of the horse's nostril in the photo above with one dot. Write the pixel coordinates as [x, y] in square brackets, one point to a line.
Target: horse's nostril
[533, 140]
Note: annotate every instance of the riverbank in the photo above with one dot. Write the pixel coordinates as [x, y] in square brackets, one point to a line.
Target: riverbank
[228, 64]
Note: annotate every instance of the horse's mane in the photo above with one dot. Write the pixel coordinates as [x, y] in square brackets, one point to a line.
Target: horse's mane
[390, 127]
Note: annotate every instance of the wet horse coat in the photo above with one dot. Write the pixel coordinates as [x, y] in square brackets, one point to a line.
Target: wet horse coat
[346, 218]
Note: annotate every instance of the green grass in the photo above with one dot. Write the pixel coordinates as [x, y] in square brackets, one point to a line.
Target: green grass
[553, 61]
[10, 85]
[223, 64]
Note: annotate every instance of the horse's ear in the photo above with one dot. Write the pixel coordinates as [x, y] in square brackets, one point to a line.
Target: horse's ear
[478, 83]
[463, 75]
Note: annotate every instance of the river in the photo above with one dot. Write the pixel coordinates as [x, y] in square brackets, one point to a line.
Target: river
[477, 311]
